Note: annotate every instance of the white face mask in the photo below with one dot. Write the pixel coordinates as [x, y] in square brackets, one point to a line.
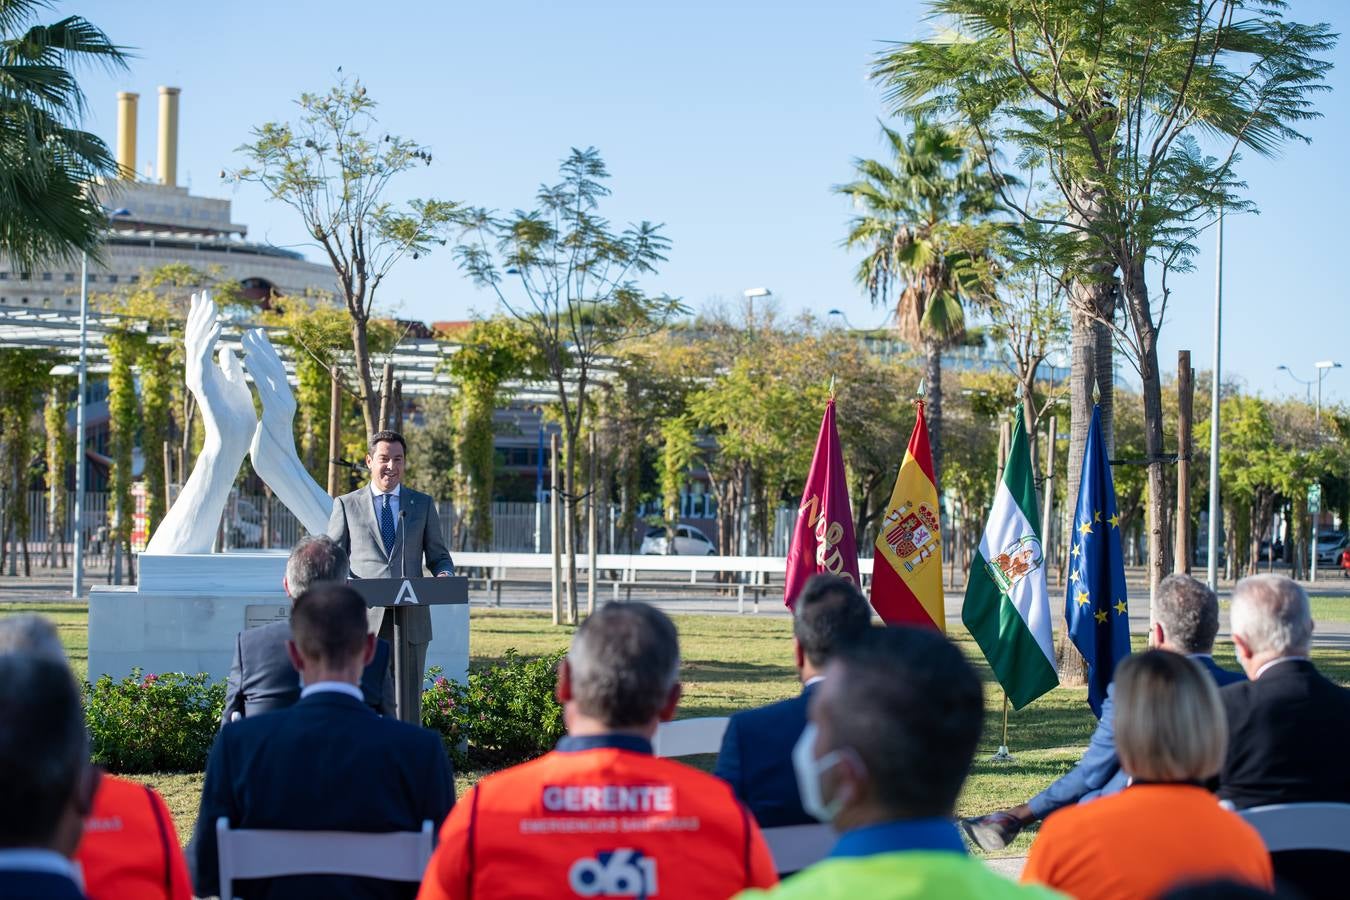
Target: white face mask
[808, 770]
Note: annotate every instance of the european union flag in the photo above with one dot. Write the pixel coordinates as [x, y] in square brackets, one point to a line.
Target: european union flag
[1096, 608]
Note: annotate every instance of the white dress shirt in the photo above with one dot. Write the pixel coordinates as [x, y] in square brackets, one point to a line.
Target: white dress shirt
[377, 496]
[336, 687]
[1275, 662]
[30, 859]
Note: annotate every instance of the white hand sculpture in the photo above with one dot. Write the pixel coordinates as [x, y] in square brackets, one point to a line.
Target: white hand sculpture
[273, 448]
[226, 406]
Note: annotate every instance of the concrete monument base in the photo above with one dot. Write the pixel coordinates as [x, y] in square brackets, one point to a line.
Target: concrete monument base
[185, 612]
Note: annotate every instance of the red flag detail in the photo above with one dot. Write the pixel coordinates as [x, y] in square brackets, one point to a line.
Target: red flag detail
[822, 540]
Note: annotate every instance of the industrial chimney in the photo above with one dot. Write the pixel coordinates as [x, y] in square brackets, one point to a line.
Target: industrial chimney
[168, 135]
[126, 135]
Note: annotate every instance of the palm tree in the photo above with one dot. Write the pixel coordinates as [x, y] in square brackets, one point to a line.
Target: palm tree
[918, 220]
[47, 165]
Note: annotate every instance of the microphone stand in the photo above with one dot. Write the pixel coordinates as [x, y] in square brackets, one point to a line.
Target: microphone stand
[400, 678]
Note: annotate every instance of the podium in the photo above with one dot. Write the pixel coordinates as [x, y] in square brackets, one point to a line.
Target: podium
[399, 595]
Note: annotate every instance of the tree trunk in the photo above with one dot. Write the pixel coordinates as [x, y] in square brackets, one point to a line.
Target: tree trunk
[1090, 368]
[1150, 378]
[933, 375]
[370, 408]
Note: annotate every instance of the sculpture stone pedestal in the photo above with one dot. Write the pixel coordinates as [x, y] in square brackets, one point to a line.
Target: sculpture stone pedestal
[185, 612]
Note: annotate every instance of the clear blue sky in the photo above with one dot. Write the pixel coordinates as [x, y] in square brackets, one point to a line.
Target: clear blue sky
[728, 121]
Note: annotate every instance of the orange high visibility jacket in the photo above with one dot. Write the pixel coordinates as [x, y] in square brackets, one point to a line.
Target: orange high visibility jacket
[129, 847]
[598, 817]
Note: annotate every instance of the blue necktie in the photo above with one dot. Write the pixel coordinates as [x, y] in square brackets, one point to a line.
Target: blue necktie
[387, 526]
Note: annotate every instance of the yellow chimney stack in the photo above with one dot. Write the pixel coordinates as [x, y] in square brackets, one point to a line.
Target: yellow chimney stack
[168, 135]
[126, 135]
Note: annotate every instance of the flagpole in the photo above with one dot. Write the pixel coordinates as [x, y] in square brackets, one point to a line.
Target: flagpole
[1003, 755]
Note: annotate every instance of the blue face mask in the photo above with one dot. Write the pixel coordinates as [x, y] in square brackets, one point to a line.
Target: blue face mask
[809, 770]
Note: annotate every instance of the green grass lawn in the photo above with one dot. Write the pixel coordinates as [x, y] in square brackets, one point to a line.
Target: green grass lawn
[732, 663]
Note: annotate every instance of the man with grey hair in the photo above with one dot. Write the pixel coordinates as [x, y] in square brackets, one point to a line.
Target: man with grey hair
[32, 634]
[1287, 723]
[46, 783]
[129, 847]
[1186, 621]
[261, 677]
[602, 816]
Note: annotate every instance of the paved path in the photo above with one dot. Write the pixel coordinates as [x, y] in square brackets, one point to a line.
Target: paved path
[531, 591]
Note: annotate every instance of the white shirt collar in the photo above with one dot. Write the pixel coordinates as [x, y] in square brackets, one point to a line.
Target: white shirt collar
[33, 859]
[337, 687]
[377, 493]
[1275, 662]
[814, 679]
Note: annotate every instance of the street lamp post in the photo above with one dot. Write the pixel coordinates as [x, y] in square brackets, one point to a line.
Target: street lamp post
[1212, 545]
[1322, 368]
[77, 579]
[83, 378]
[746, 509]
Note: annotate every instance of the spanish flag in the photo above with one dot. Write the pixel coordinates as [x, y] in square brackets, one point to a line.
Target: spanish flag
[907, 562]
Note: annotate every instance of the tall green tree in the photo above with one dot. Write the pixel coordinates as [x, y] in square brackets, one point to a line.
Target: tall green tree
[492, 353]
[334, 166]
[1113, 100]
[915, 221]
[47, 164]
[23, 378]
[571, 278]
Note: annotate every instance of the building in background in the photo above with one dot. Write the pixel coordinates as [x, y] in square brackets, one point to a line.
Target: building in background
[163, 224]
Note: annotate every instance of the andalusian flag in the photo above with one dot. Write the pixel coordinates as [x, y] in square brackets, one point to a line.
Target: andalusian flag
[907, 561]
[1007, 606]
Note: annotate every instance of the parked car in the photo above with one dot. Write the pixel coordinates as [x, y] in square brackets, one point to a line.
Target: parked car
[1329, 547]
[689, 541]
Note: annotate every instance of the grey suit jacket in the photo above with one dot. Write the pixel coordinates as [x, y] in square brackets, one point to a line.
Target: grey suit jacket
[354, 527]
[262, 679]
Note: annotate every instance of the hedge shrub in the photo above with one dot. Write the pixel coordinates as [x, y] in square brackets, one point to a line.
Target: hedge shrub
[505, 714]
[153, 723]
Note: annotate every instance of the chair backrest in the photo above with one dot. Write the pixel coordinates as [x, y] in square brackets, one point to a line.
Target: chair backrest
[266, 853]
[794, 847]
[687, 737]
[1302, 826]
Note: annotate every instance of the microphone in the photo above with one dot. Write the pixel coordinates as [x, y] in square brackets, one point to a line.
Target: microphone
[350, 465]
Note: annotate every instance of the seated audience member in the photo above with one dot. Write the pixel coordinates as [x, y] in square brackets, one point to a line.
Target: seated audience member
[129, 847]
[602, 816]
[756, 755]
[1186, 620]
[1166, 828]
[1283, 723]
[328, 763]
[890, 738]
[46, 783]
[261, 676]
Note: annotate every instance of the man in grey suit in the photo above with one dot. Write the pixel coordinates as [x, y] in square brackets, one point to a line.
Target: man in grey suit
[261, 676]
[388, 531]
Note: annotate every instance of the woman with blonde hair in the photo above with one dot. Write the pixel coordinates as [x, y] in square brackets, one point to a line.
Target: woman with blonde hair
[1166, 828]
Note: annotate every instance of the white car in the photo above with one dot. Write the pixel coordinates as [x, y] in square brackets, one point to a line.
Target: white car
[689, 541]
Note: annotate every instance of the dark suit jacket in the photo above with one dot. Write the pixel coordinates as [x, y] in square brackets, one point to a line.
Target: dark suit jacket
[1284, 731]
[262, 678]
[354, 527]
[16, 884]
[756, 760]
[327, 763]
[1098, 773]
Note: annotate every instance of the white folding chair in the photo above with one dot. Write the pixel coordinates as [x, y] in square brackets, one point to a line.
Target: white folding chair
[1301, 826]
[267, 853]
[794, 847]
[687, 737]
